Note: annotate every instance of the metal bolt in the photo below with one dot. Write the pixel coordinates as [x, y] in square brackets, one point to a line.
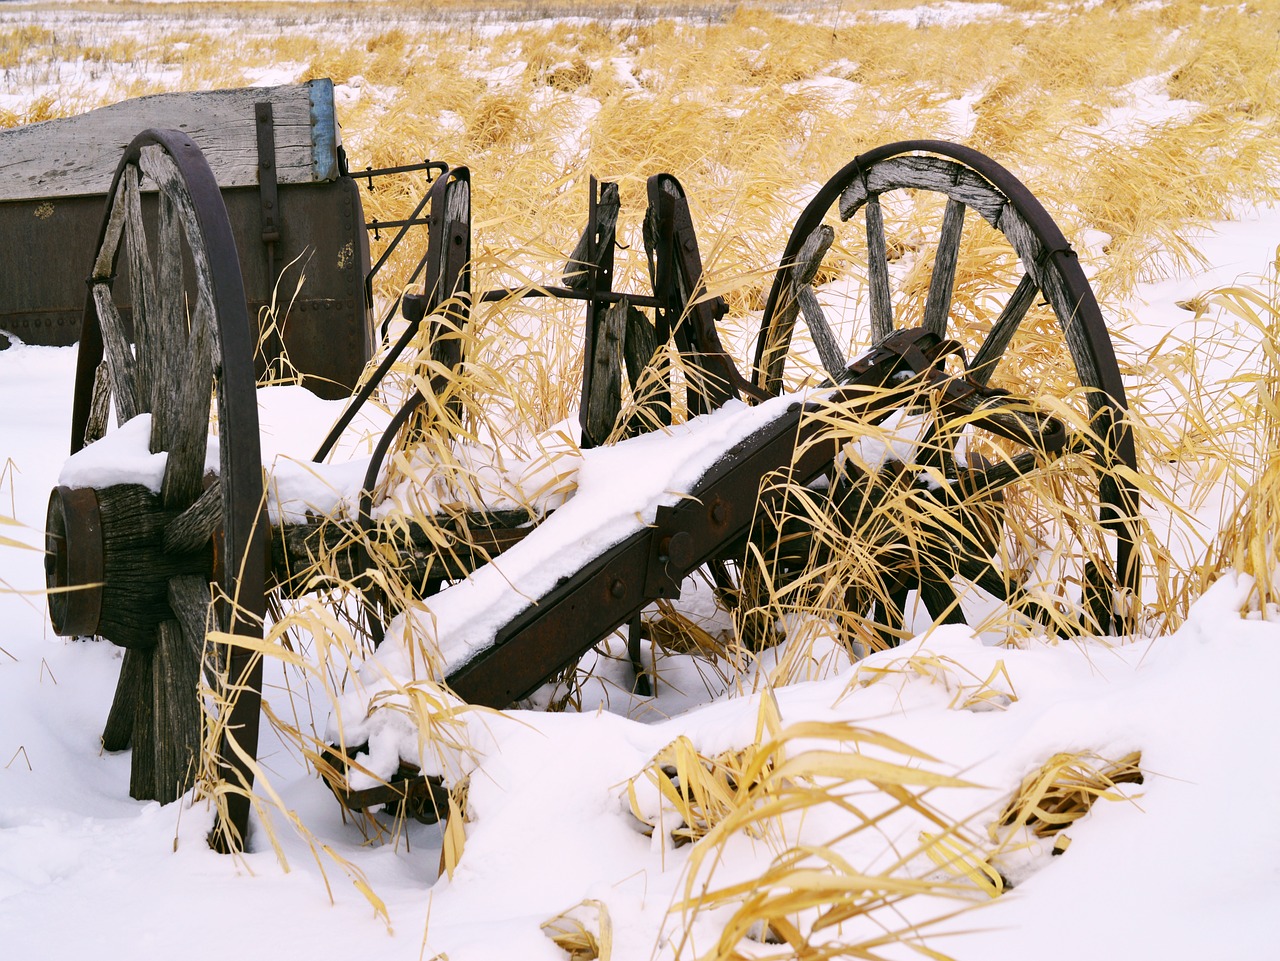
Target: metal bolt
[677, 548]
[617, 588]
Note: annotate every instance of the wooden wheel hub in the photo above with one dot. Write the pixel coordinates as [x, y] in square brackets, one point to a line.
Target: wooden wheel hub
[73, 560]
[107, 564]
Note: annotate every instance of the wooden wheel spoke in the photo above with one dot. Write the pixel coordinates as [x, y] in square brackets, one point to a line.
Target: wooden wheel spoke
[992, 350]
[195, 526]
[118, 354]
[937, 308]
[170, 332]
[99, 404]
[141, 289]
[803, 274]
[187, 417]
[878, 273]
[105, 261]
[135, 677]
[833, 359]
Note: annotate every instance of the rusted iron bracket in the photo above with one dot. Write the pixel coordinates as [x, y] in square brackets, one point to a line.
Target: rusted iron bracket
[268, 194]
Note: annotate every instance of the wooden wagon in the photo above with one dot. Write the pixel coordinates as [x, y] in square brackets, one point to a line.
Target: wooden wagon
[157, 568]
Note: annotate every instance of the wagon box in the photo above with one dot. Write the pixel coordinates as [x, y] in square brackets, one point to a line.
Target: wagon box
[275, 153]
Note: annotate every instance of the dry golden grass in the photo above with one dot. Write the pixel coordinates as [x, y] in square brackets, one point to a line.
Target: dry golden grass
[1249, 439]
[753, 108]
[817, 811]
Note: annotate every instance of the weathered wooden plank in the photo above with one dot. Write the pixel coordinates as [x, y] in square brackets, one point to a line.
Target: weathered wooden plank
[579, 268]
[937, 306]
[925, 173]
[649, 374]
[639, 347]
[829, 352]
[175, 680]
[605, 400]
[76, 156]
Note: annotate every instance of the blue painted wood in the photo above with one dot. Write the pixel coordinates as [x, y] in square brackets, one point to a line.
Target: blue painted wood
[324, 130]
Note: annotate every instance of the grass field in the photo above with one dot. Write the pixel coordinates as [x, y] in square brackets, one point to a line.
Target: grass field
[1141, 127]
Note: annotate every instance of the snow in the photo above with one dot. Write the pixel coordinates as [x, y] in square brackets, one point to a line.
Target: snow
[1184, 866]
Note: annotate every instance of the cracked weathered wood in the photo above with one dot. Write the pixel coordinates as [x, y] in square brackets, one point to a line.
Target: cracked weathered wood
[142, 292]
[99, 404]
[878, 273]
[175, 676]
[74, 156]
[578, 270]
[118, 354]
[925, 173]
[988, 356]
[175, 685]
[194, 527]
[833, 360]
[937, 306]
[135, 676]
[809, 259]
[142, 766]
[647, 374]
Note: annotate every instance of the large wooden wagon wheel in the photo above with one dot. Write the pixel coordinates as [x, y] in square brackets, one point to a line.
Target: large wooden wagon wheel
[174, 336]
[899, 291]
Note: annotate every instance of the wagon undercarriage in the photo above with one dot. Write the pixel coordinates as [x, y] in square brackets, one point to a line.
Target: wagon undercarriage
[784, 497]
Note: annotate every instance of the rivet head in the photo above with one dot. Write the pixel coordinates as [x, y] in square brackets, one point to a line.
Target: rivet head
[617, 588]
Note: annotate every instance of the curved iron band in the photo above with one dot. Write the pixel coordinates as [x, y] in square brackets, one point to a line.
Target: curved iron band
[1119, 510]
[244, 522]
[437, 229]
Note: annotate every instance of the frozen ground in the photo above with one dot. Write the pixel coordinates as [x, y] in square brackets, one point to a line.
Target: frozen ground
[1182, 867]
